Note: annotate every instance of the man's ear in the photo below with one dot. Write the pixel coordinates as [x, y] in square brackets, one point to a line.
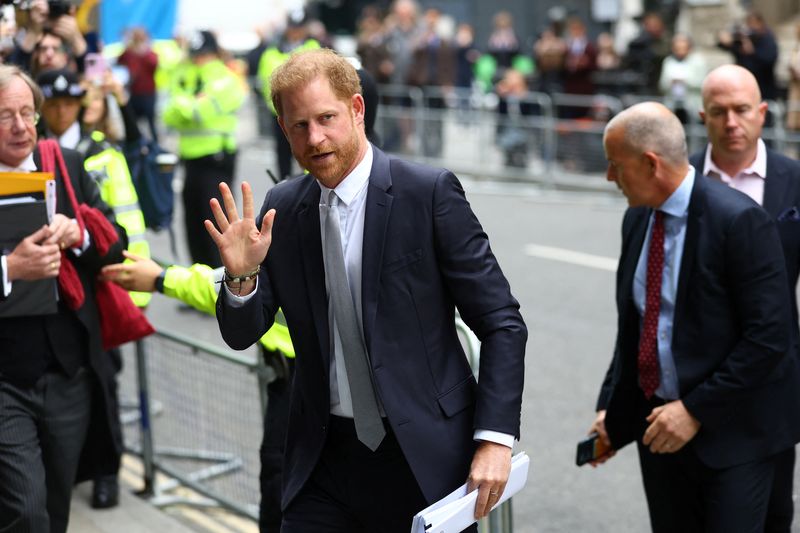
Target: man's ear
[654, 161]
[357, 102]
[283, 126]
[702, 116]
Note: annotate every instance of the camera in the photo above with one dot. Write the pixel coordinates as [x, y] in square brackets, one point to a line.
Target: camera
[58, 8]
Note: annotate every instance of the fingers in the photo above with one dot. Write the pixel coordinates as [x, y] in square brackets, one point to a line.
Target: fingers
[40, 235]
[489, 473]
[215, 235]
[267, 222]
[132, 256]
[247, 201]
[229, 202]
[219, 215]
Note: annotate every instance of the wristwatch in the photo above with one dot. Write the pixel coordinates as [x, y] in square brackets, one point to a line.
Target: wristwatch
[160, 281]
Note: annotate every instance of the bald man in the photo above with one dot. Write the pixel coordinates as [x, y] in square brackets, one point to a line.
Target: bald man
[734, 113]
[703, 376]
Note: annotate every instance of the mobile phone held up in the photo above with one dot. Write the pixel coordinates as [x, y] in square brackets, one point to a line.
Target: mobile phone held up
[94, 68]
[590, 449]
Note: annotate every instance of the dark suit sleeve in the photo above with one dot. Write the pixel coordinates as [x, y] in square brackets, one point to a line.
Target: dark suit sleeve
[756, 289]
[483, 297]
[242, 326]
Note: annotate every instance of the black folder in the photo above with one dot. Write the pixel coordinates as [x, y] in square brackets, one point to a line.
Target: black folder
[27, 298]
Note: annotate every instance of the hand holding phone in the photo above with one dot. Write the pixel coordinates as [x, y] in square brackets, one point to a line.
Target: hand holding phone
[591, 449]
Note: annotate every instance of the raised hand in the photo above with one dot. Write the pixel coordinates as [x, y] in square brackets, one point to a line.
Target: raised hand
[242, 245]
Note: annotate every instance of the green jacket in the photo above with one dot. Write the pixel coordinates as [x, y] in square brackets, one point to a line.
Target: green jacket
[202, 107]
[271, 59]
[107, 166]
[197, 287]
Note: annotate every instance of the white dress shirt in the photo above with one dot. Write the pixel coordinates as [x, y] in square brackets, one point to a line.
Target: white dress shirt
[749, 181]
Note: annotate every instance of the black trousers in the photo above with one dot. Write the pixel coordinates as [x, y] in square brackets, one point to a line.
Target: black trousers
[781, 502]
[201, 183]
[276, 422]
[355, 490]
[685, 495]
[42, 431]
[144, 106]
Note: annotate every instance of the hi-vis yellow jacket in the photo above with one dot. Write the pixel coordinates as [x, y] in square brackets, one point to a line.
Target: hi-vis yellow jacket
[107, 166]
[196, 286]
[202, 106]
[271, 59]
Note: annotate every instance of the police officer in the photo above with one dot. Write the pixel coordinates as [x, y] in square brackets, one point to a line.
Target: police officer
[203, 100]
[107, 166]
[295, 38]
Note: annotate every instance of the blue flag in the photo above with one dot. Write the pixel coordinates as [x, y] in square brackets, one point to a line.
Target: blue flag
[157, 16]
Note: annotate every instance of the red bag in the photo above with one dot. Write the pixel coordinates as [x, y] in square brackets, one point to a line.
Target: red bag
[120, 320]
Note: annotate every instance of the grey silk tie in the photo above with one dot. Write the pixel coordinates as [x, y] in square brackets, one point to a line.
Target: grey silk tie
[367, 418]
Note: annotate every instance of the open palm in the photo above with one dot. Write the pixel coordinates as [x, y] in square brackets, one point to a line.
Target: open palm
[242, 245]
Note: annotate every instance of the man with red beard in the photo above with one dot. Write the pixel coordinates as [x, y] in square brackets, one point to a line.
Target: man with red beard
[734, 114]
[369, 257]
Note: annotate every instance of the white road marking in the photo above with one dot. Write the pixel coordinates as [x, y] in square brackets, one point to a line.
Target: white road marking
[598, 262]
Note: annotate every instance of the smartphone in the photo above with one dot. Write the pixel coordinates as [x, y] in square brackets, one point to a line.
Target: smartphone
[94, 67]
[590, 449]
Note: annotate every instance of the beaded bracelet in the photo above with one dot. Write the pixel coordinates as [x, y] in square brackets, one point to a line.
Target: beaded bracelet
[243, 277]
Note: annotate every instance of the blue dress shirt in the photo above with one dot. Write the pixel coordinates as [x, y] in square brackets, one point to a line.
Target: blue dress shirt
[676, 214]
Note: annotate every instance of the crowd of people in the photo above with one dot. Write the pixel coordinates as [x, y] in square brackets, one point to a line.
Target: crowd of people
[713, 407]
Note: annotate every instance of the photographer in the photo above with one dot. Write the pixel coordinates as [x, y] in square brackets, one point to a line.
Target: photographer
[754, 47]
[39, 18]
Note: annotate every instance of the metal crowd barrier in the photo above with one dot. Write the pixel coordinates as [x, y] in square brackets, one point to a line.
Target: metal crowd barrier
[194, 412]
[556, 140]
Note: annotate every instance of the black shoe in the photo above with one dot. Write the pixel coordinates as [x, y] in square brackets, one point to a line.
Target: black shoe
[105, 492]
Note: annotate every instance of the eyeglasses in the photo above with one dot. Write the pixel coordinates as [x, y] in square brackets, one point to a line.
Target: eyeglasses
[8, 118]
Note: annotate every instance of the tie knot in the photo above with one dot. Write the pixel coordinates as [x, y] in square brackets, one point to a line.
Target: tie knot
[333, 200]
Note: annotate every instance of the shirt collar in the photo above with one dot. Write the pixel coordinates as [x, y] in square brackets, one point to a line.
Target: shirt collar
[677, 204]
[26, 166]
[71, 137]
[757, 168]
[354, 182]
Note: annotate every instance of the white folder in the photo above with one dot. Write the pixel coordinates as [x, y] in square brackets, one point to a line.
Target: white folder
[456, 511]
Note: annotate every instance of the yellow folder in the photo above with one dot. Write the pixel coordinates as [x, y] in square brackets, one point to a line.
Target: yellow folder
[15, 183]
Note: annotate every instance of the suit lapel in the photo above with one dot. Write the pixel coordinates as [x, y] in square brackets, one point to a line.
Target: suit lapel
[311, 253]
[775, 187]
[376, 219]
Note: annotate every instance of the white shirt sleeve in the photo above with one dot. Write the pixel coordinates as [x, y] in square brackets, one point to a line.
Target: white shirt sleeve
[87, 241]
[494, 436]
[235, 299]
[6, 283]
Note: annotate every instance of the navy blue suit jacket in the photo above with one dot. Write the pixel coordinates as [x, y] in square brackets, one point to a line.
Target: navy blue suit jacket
[782, 202]
[737, 372]
[424, 254]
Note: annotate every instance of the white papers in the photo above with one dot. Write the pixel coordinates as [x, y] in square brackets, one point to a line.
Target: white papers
[50, 198]
[456, 511]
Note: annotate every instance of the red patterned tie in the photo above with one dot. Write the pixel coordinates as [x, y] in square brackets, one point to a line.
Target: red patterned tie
[648, 343]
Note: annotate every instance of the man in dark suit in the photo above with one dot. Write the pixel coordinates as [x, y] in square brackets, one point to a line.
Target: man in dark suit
[704, 376]
[385, 251]
[734, 114]
[52, 368]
